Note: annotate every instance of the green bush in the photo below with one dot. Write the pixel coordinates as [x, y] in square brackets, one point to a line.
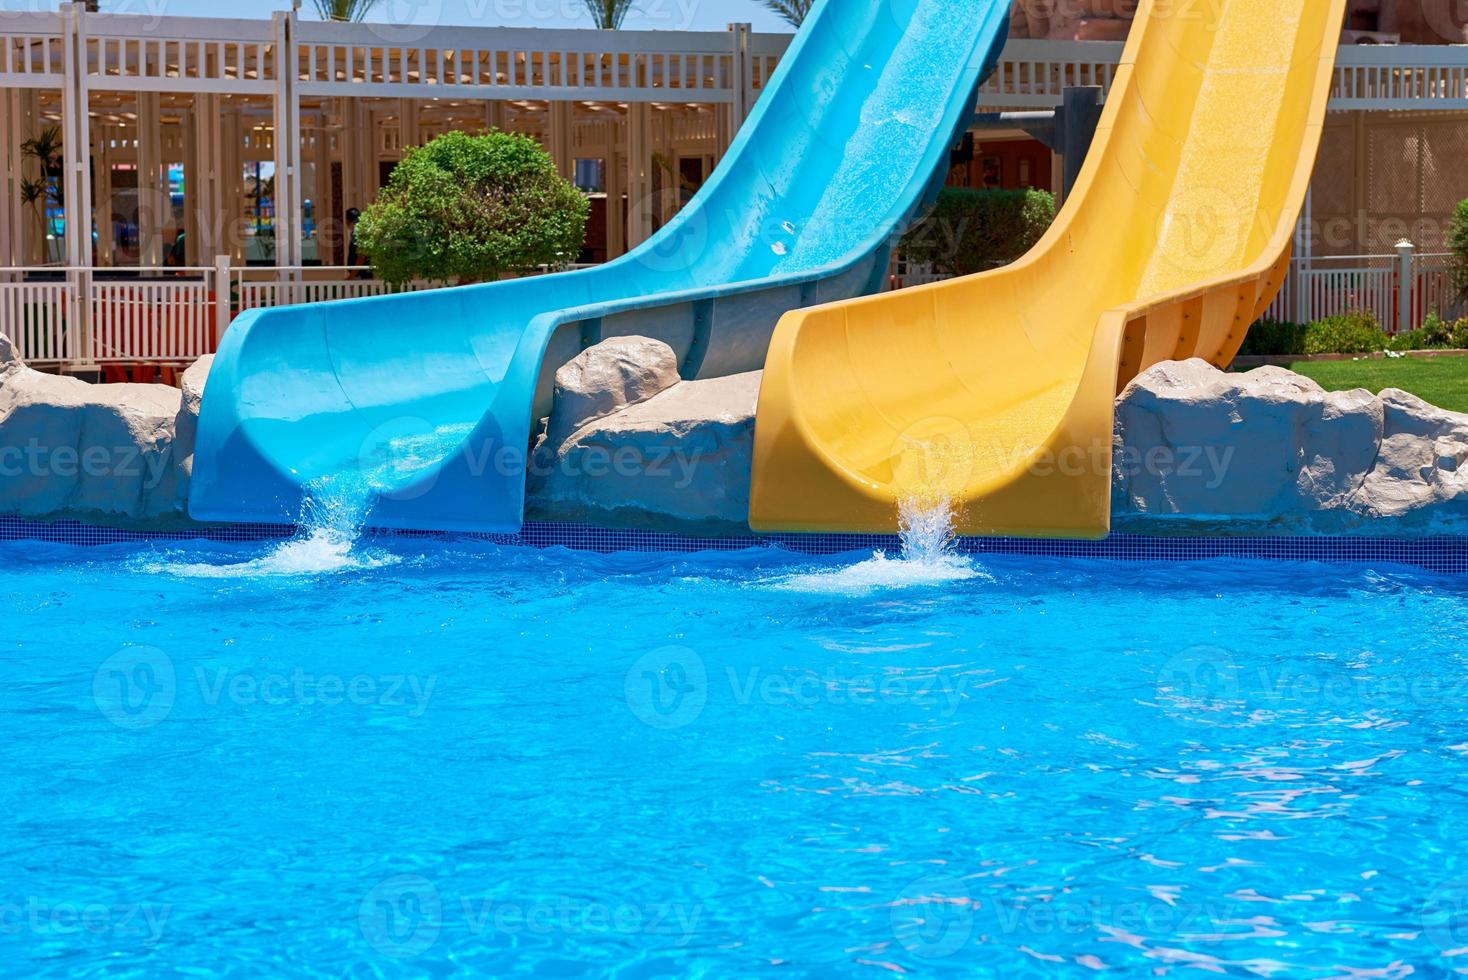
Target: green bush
[469, 208]
[970, 230]
[1352, 333]
[1274, 337]
[1411, 340]
[1435, 333]
[1458, 242]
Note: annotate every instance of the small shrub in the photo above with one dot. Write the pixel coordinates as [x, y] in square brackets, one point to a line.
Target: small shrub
[1274, 337]
[1458, 335]
[1410, 340]
[1352, 333]
[970, 230]
[1458, 243]
[1435, 333]
[469, 208]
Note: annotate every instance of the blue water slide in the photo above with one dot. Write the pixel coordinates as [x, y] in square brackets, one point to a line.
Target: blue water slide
[428, 399]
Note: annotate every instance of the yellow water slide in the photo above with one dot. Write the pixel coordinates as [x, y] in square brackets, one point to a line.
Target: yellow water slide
[995, 391]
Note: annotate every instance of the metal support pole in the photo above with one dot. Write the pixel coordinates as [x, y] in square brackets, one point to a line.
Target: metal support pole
[1068, 130]
[1075, 124]
[1406, 286]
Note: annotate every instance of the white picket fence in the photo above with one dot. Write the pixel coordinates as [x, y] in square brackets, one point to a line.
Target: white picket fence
[1400, 290]
[76, 318]
[73, 318]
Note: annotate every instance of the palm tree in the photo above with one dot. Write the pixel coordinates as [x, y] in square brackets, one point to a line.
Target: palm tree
[794, 11]
[45, 190]
[609, 14]
[347, 10]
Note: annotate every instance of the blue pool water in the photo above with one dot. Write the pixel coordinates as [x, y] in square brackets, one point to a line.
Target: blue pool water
[450, 759]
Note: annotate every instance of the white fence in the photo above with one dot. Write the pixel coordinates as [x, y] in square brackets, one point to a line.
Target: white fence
[1400, 290]
[258, 288]
[75, 318]
[71, 318]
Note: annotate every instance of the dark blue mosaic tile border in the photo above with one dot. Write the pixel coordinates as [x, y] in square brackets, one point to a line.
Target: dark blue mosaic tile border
[1440, 554]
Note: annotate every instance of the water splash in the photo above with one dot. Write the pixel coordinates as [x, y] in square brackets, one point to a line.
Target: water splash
[334, 511]
[928, 557]
[335, 508]
[925, 523]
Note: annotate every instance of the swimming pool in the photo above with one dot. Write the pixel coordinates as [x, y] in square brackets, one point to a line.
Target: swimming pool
[452, 758]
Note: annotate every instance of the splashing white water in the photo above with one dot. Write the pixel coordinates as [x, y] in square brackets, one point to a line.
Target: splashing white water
[333, 512]
[928, 558]
[334, 509]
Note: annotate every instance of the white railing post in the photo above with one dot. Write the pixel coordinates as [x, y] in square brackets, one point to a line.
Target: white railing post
[1406, 285]
[287, 142]
[221, 297]
[78, 317]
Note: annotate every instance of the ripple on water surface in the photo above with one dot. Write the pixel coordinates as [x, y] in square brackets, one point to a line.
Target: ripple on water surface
[448, 757]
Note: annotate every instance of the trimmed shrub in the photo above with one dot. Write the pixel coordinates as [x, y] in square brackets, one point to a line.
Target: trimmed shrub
[1458, 336]
[970, 230]
[1352, 333]
[470, 208]
[1274, 337]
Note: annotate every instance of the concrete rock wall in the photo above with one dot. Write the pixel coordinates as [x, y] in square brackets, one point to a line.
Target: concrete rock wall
[109, 454]
[629, 444]
[1271, 451]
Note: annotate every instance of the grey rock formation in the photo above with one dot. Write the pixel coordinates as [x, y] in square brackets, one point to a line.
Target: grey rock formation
[608, 377]
[1271, 451]
[103, 453]
[678, 459]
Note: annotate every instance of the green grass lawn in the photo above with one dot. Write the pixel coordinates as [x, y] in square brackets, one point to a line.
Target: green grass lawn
[1442, 381]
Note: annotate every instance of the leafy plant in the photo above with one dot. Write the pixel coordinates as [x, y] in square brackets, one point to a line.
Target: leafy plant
[470, 208]
[1458, 335]
[1274, 337]
[791, 11]
[1458, 244]
[345, 10]
[609, 14]
[970, 230]
[1351, 333]
[1435, 333]
[45, 189]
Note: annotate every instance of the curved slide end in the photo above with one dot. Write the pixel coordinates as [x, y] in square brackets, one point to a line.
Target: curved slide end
[837, 453]
[291, 419]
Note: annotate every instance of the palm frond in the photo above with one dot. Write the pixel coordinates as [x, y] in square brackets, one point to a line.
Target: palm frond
[345, 10]
[609, 14]
[792, 11]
